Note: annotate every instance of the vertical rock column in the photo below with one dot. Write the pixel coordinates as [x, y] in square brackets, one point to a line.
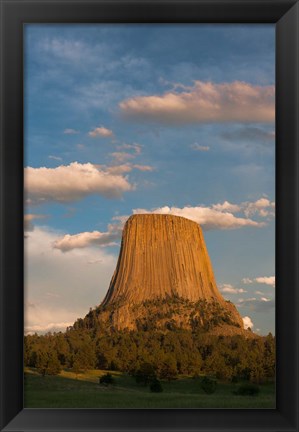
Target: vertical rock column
[160, 256]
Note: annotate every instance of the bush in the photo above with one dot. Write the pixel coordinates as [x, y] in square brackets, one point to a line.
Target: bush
[248, 390]
[208, 385]
[145, 374]
[106, 379]
[156, 386]
[235, 379]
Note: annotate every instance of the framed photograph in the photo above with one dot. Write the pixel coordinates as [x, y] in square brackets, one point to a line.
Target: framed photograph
[149, 243]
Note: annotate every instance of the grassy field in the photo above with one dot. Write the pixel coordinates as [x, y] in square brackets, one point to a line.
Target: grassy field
[68, 391]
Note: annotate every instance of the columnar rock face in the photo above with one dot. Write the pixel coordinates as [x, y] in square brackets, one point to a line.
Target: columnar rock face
[160, 256]
[164, 277]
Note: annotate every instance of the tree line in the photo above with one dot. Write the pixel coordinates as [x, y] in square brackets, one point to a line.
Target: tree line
[166, 354]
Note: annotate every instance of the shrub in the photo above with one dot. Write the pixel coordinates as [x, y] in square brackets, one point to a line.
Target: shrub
[208, 385]
[235, 379]
[145, 374]
[248, 389]
[106, 379]
[156, 386]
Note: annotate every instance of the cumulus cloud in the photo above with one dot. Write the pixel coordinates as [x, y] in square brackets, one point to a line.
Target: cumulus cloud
[70, 131]
[227, 206]
[247, 322]
[198, 147]
[84, 239]
[267, 280]
[100, 131]
[73, 284]
[72, 182]
[205, 102]
[221, 215]
[263, 207]
[207, 217]
[229, 289]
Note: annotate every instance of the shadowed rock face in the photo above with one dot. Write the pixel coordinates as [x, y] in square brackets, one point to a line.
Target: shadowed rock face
[163, 257]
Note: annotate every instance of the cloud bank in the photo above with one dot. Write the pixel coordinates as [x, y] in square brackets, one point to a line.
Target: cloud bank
[218, 216]
[209, 218]
[59, 288]
[67, 183]
[205, 102]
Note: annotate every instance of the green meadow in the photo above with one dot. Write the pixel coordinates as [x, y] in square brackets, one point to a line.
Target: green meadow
[68, 390]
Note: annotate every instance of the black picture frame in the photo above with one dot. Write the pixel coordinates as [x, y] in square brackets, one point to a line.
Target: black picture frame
[14, 13]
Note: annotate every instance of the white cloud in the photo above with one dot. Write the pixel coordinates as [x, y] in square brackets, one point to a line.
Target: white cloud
[70, 131]
[227, 206]
[84, 239]
[207, 217]
[229, 289]
[73, 283]
[72, 182]
[267, 280]
[57, 158]
[100, 131]
[205, 102]
[198, 147]
[247, 322]
[220, 215]
[263, 207]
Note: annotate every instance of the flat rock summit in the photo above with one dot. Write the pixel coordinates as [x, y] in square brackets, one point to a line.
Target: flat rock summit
[164, 280]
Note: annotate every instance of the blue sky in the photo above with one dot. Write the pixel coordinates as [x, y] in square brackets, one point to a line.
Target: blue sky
[121, 119]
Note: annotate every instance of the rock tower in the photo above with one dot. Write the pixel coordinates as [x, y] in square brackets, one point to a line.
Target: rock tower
[164, 276]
